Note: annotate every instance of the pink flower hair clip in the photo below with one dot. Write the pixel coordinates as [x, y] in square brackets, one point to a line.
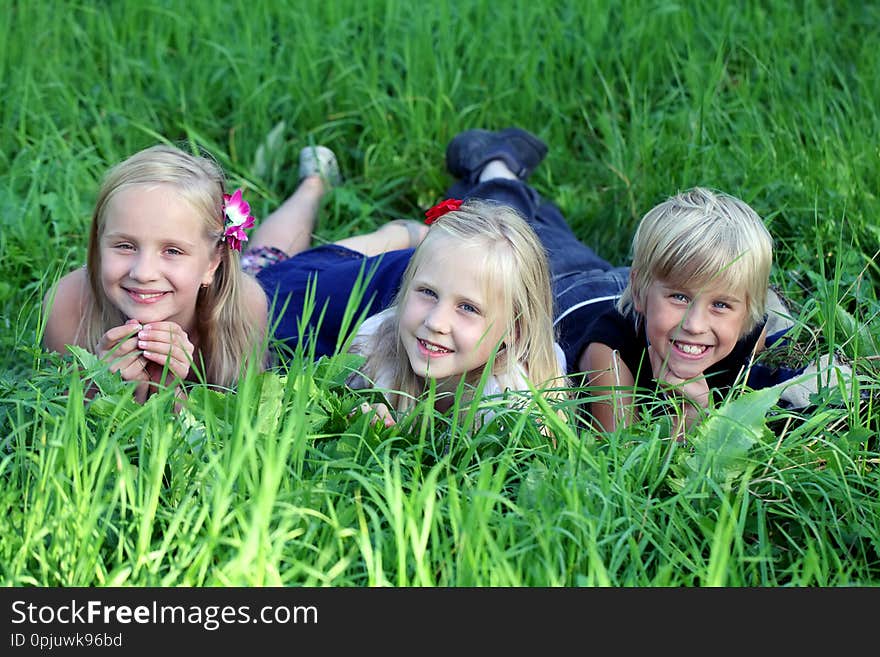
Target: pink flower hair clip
[237, 219]
[434, 213]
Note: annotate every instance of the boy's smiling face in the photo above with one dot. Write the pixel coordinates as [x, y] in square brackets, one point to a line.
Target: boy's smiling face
[692, 328]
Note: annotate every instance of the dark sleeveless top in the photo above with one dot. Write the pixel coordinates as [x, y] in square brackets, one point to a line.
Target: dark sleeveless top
[617, 331]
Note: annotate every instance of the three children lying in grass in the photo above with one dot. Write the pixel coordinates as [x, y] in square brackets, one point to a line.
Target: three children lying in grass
[495, 294]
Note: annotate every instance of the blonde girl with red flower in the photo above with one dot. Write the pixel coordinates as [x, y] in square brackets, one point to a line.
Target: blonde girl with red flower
[162, 297]
[442, 301]
[475, 294]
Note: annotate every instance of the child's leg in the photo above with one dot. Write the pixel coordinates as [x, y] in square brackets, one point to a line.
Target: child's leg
[494, 166]
[289, 228]
[395, 235]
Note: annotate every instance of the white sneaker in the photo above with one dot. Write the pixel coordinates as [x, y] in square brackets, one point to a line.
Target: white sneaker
[319, 161]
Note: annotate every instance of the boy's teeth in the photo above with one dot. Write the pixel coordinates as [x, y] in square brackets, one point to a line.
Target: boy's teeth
[691, 348]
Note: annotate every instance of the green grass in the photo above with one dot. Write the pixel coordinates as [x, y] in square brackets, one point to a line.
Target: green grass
[774, 102]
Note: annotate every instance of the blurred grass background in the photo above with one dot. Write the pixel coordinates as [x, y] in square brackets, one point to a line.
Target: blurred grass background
[772, 102]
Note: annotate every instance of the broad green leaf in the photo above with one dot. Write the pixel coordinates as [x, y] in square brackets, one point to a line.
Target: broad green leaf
[109, 383]
[722, 441]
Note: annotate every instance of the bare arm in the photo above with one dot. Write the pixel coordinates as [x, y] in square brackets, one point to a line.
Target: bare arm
[610, 381]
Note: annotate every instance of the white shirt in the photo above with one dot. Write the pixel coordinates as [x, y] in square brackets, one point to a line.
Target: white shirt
[496, 384]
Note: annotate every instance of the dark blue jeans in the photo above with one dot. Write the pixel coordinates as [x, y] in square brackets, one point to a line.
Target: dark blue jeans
[579, 276]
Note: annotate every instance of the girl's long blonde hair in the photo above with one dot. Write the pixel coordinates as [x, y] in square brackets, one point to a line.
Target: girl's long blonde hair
[516, 276]
[227, 336]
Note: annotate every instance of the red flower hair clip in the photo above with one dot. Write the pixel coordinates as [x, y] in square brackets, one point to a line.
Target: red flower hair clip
[434, 213]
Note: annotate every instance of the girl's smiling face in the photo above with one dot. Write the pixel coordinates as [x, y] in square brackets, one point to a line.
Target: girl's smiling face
[155, 255]
[447, 324]
[691, 329]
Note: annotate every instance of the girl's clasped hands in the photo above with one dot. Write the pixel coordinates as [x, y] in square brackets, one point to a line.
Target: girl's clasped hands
[147, 353]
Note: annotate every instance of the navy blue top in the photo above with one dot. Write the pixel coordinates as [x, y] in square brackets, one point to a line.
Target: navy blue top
[330, 273]
[617, 331]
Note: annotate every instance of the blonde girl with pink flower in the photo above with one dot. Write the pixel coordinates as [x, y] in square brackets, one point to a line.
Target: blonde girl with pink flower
[162, 296]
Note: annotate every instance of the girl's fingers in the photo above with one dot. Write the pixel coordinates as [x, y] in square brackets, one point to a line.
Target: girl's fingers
[380, 412]
[165, 331]
[153, 336]
[122, 348]
[136, 370]
[179, 366]
[118, 333]
[119, 361]
[142, 352]
[384, 414]
[167, 344]
[141, 392]
[181, 353]
[118, 340]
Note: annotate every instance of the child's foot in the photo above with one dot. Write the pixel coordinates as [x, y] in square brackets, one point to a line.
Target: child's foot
[319, 161]
[415, 230]
[471, 150]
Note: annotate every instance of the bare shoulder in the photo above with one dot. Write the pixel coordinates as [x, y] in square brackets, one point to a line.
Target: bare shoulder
[369, 332]
[64, 306]
[596, 356]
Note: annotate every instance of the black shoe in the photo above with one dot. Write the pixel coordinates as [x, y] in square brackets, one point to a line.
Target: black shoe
[469, 151]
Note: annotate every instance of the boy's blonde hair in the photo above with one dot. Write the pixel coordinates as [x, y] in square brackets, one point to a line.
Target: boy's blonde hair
[226, 335]
[517, 280]
[697, 238]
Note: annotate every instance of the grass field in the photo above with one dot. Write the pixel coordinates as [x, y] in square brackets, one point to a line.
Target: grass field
[774, 102]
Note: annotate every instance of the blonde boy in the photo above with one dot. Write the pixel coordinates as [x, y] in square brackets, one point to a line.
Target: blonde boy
[693, 313]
